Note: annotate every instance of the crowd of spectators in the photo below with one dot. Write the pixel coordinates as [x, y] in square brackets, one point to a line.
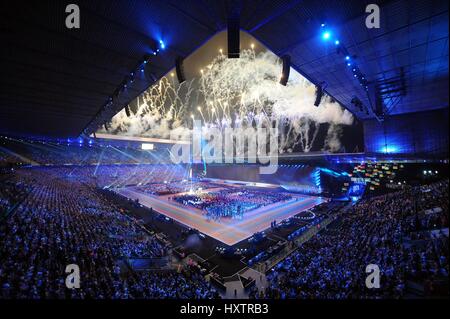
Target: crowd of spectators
[53, 215]
[111, 176]
[61, 222]
[11, 193]
[85, 152]
[375, 231]
[7, 159]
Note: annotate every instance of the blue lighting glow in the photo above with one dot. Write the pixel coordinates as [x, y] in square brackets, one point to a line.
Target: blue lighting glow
[356, 191]
[336, 42]
[389, 150]
[162, 44]
[411, 134]
[347, 58]
[329, 172]
[326, 35]
[317, 180]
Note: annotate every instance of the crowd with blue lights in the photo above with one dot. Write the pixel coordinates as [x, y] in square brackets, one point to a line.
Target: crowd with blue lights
[380, 231]
[77, 152]
[52, 216]
[60, 222]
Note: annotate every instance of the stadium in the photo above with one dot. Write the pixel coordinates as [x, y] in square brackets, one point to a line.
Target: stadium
[224, 149]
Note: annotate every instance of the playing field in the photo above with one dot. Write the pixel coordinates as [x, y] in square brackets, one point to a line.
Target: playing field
[227, 230]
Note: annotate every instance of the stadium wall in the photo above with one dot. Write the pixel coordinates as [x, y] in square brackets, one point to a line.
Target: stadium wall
[423, 133]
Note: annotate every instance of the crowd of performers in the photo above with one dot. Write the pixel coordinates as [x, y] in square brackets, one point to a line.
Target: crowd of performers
[230, 202]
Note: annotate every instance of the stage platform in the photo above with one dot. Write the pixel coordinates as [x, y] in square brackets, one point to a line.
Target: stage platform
[227, 231]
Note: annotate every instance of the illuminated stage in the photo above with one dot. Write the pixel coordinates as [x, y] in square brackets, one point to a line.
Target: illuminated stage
[227, 230]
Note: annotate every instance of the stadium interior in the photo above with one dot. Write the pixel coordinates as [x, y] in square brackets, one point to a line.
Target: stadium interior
[115, 118]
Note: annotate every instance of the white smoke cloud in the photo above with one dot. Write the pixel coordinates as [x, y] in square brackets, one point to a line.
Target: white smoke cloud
[332, 141]
[241, 93]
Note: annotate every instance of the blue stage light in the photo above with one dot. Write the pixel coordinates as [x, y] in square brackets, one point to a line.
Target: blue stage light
[326, 35]
[347, 58]
[389, 150]
[162, 44]
[336, 42]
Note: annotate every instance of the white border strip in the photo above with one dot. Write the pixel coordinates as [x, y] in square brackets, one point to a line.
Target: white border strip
[138, 139]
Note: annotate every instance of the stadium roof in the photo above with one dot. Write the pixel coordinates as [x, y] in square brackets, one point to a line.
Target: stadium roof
[55, 80]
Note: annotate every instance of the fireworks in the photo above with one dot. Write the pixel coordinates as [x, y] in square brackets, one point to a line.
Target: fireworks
[236, 93]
